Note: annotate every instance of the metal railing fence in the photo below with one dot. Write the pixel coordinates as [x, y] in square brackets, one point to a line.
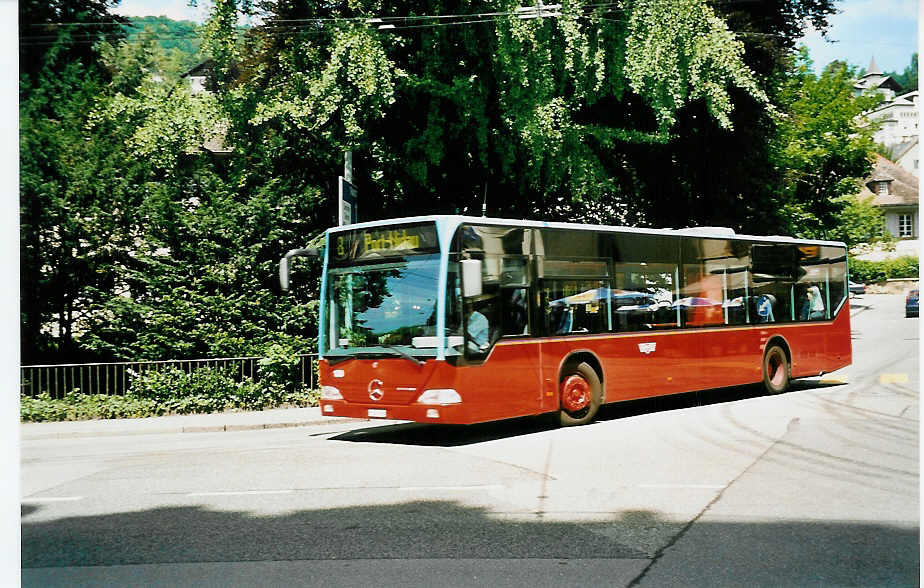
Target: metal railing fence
[116, 378]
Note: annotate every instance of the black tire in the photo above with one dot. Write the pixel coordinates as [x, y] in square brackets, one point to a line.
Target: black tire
[594, 391]
[776, 370]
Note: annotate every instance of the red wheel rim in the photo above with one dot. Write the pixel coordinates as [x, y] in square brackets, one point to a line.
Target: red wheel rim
[575, 393]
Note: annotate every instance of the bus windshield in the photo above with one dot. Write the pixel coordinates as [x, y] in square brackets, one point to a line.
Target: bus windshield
[386, 309]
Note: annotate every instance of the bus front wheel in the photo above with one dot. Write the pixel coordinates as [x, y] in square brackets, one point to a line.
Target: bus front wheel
[579, 394]
[776, 370]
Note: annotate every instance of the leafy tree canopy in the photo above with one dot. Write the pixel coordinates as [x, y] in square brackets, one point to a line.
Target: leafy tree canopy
[908, 78]
[138, 242]
[822, 146]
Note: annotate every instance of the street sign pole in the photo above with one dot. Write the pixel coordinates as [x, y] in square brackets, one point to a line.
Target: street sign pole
[347, 213]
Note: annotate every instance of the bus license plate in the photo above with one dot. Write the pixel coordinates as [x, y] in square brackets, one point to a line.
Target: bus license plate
[377, 413]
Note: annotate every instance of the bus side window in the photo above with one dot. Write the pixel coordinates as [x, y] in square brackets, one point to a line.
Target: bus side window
[576, 306]
[515, 311]
[643, 296]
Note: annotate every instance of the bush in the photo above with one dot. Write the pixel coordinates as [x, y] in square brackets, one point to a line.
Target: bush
[278, 369]
[77, 407]
[880, 271]
[173, 391]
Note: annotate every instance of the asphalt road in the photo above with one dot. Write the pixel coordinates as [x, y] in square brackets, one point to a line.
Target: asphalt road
[815, 487]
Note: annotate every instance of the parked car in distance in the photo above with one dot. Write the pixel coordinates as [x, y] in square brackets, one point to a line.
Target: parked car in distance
[855, 288]
[911, 303]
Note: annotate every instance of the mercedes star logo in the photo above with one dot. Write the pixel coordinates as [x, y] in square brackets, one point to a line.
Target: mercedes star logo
[375, 389]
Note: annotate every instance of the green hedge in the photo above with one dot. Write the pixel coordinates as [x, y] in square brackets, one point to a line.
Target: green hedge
[173, 391]
[869, 272]
[77, 407]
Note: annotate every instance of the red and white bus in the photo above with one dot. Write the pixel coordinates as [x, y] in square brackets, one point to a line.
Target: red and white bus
[452, 319]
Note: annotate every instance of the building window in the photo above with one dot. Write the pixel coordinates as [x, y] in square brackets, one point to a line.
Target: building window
[905, 225]
[883, 188]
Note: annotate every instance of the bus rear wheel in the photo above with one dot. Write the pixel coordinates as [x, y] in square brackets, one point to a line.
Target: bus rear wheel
[579, 394]
[776, 370]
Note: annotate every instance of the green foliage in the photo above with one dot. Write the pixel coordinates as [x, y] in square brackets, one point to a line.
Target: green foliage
[879, 271]
[172, 391]
[353, 84]
[859, 222]
[680, 52]
[138, 244]
[168, 122]
[43, 39]
[179, 41]
[823, 149]
[908, 79]
[77, 407]
[278, 368]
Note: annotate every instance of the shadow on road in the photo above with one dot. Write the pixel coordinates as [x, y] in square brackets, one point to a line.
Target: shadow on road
[426, 434]
[751, 553]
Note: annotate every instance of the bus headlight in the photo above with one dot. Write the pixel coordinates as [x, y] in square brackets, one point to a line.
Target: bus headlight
[330, 393]
[440, 396]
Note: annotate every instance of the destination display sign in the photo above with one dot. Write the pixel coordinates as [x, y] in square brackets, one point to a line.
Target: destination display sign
[378, 242]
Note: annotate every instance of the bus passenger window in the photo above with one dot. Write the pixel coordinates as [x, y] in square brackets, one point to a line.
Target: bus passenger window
[482, 325]
[514, 311]
[643, 296]
[812, 307]
[576, 306]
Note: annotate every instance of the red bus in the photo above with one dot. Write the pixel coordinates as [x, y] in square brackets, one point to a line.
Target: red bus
[452, 319]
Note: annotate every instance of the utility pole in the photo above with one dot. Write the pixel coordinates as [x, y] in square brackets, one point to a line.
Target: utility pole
[348, 166]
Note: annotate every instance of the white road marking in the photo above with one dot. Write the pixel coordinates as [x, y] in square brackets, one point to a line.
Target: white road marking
[240, 493]
[52, 499]
[684, 486]
[477, 487]
[893, 378]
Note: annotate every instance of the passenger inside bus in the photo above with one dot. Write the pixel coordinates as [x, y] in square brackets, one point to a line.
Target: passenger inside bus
[813, 306]
[765, 304]
[481, 323]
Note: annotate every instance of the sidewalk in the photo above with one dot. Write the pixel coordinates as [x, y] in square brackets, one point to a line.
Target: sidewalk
[191, 423]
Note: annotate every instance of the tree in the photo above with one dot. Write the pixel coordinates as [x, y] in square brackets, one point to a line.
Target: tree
[908, 79]
[649, 113]
[77, 193]
[822, 147]
[550, 117]
[859, 221]
[67, 29]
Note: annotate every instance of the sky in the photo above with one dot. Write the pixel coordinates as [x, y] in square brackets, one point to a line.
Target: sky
[863, 29]
[174, 9]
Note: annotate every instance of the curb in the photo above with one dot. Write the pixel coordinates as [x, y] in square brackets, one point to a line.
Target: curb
[118, 430]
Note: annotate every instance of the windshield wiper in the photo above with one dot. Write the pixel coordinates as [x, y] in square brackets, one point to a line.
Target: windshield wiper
[402, 353]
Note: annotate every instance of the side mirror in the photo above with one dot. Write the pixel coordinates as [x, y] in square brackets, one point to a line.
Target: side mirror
[284, 263]
[471, 278]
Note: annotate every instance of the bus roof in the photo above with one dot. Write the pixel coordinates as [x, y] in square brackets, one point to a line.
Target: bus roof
[453, 221]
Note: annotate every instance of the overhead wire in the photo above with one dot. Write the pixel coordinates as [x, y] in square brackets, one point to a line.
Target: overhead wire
[321, 25]
[280, 26]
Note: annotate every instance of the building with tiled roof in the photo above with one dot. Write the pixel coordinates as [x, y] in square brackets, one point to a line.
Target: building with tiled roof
[896, 116]
[876, 81]
[898, 120]
[895, 191]
[906, 155]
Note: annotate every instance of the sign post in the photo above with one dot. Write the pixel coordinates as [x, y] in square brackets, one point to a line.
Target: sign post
[347, 213]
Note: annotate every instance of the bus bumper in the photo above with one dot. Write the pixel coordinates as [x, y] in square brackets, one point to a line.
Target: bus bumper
[421, 413]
